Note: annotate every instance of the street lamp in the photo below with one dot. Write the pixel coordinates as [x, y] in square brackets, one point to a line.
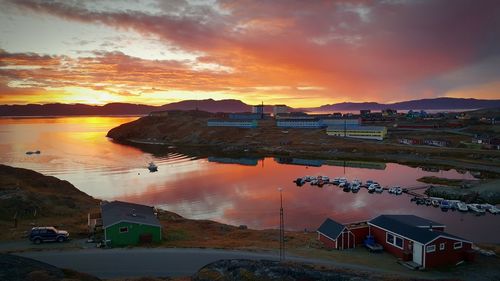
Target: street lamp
[282, 228]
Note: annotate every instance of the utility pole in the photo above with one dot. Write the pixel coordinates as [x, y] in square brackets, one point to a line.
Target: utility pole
[282, 228]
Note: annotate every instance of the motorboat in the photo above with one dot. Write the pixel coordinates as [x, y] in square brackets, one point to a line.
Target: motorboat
[355, 187]
[476, 208]
[445, 205]
[152, 167]
[379, 189]
[347, 187]
[490, 208]
[462, 207]
[371, 188]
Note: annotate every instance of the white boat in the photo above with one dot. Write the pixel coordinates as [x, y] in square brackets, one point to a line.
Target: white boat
[355, 187]
[342, 184]
[462, 207]
[152, 167]
[372, 187]
[494, 210]
[379, 189]
[357, 182]
[490, 208]
[476, 208]
[325, 178]
[342, 180]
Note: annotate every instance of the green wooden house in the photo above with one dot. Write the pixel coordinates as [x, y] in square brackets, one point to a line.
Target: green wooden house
[127, 224]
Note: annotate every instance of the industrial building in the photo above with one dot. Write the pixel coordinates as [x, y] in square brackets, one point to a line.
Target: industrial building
[360, 132]
[232, 123]
[312, 123]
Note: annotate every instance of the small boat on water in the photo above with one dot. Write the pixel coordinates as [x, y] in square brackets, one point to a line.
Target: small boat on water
[428, 201]
[435, 203]
[379, 189]
[355, 187]
[33, 152]
[152, 167]
[371, 188]
[462, 207]
[347, 187]
[476, 208]
[445, 205]
[490, 208]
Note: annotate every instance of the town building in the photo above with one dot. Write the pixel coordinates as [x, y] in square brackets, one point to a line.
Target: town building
[420, 240]
[245, 116]
[329, 121]
[293, 115]
[389, 112]
[359, 132]
[365, 112]
[129, 224]
[338, 236]
[310, 123]
[237, 123]
[279, 108]
[410, 238]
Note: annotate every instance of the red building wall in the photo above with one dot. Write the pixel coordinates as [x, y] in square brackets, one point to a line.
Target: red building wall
[380, 237]
[329, 243]
[360, 233]
[448, 256]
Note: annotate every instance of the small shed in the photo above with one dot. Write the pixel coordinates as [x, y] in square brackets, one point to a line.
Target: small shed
[129, 224]
[335, 235]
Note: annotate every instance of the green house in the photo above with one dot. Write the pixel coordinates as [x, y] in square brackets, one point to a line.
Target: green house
[127, 224]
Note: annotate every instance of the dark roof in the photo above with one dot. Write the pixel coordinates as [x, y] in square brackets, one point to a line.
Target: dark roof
[331, 228]
[116, 211]
[411, 227]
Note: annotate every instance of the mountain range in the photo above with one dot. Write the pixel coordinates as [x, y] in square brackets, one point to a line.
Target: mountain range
[231, 105]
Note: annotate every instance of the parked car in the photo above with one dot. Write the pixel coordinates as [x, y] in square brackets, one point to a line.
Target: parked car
[48, 234]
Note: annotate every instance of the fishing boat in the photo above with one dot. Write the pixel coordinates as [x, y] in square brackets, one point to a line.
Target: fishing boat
[462, 207]
[152, 167]
[379, 189]
[371, 188]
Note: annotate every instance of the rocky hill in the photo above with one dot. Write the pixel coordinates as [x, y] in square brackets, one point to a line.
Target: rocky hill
[36, 199]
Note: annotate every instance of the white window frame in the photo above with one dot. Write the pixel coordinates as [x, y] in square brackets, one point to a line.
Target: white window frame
[123, 227]
[430, 248]
[442, 246]
[457, 245]
[393, 243]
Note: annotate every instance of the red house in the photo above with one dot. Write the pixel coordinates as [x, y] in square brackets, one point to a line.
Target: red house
[338, 236]
[422, 241]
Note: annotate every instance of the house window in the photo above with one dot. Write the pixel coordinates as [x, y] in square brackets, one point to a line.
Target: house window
[394, 240]
[430, 248]
[123, 229]
[457, 245]
[399, 242]
[442, 246]
[390, 238]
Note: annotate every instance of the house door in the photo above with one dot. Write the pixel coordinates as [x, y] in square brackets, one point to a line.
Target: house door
[417, 253]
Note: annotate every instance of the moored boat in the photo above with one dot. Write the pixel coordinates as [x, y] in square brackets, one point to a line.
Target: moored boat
[462, 207]
[152, 167]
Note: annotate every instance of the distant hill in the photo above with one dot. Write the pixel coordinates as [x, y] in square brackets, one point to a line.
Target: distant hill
[209, 105]
[437, 103]
[231, 105]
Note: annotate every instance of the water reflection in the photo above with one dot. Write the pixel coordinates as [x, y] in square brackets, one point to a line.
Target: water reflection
[241, 190]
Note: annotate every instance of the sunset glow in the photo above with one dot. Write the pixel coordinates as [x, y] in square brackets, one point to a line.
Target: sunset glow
[301, 53]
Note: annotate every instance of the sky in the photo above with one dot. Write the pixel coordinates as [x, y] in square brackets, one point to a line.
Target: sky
[294, 52]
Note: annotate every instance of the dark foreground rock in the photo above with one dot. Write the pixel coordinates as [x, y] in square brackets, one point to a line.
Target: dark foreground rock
[15, 268]
[229, 270]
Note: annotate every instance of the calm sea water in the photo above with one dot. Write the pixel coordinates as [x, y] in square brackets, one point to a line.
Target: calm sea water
[234, 191]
